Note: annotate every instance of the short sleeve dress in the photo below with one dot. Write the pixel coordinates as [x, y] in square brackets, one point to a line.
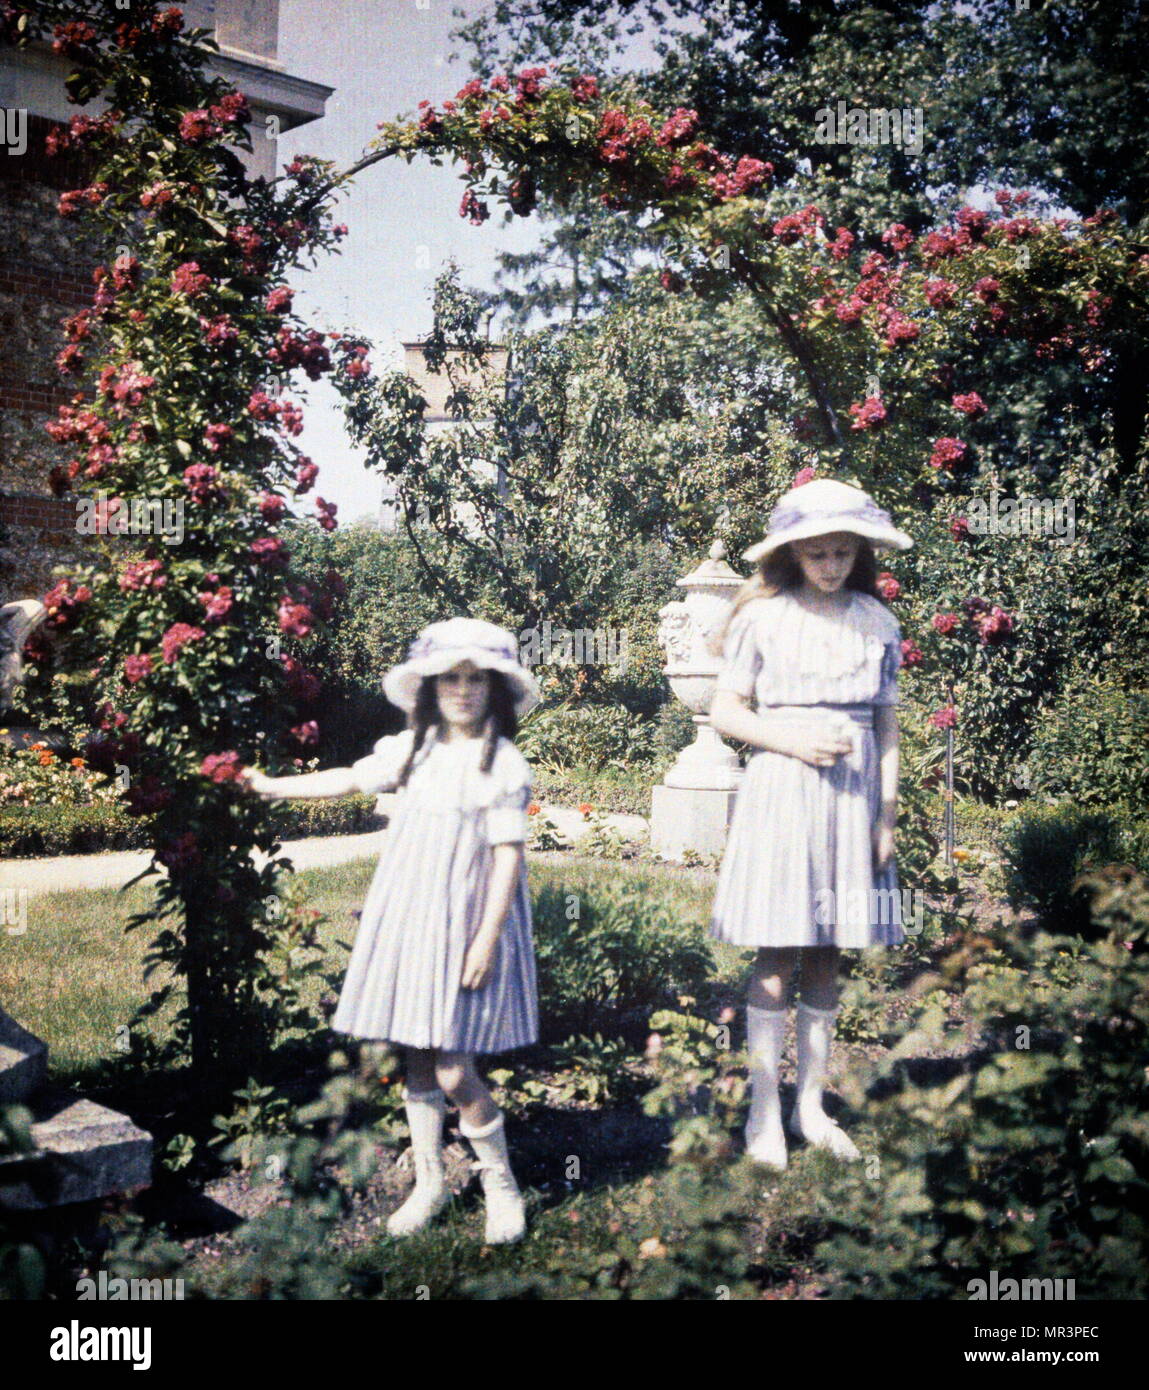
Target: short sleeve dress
[425, 903]
[798, 868]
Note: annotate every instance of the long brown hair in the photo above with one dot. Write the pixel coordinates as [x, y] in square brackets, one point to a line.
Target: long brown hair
[780, 571]
[501, 720]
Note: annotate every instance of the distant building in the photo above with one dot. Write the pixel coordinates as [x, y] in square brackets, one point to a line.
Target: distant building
[46, 265]
[436, 388]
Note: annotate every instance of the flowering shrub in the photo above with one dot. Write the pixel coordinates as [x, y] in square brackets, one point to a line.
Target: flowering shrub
[36, 776]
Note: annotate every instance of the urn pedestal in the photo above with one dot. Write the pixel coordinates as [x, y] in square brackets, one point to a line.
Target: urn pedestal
[691, 809]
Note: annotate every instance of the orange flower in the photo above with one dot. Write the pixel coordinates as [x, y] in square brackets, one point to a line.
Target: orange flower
[585, 807]
[45, 759]
[77, 762]
[37, 748]
[533, 809]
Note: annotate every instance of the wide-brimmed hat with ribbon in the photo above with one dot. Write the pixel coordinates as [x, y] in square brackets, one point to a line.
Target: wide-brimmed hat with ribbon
[443, 645]
[821, 508]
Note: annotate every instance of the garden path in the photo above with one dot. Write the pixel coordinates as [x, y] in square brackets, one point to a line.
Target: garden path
[65, 873]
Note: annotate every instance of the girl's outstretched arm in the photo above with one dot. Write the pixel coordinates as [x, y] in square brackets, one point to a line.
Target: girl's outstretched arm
[334, 781]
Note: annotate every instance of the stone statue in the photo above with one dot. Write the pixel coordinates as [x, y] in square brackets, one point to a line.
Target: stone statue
[17, 621]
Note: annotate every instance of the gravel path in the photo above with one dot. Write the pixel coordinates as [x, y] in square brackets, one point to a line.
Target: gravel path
[76, 871]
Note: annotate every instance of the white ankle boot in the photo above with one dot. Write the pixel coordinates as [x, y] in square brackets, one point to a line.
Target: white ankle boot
[765, 1031]
[808, 1120]
[426, 1111]
[506, 1217]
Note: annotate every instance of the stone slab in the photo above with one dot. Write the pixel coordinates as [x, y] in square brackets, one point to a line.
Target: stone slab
[684, 819]
[88, 1151]
[23, 1061]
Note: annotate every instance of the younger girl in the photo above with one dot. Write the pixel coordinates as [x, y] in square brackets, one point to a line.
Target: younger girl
[443, 963]
[809, 867]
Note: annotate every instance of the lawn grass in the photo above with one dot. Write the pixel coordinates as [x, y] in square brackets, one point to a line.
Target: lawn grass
[75, 976]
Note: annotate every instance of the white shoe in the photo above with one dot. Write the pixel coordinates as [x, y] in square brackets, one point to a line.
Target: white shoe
[808, 1120]
[506, 1214]
[426, 1111]
[765, 1140]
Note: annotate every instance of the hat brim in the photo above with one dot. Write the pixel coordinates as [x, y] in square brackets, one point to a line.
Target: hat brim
[888, 536]
[401, 684]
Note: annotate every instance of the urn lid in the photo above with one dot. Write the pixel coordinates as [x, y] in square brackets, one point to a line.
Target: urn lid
[713, 572]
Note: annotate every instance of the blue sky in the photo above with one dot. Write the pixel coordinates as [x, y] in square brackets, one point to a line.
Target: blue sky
[382, 57]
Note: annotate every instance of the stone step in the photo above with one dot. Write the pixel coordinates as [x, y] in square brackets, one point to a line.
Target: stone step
[23, 1061]
[84, 1151]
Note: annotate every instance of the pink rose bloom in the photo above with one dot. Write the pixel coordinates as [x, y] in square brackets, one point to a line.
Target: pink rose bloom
[911, 653]
[869, 414]
[307, 733]
[959, 527]
[279, 300]
[305, 478]
[216, 436]
[584, 89]
[269, 550]
[181, 854]
[944, 718]
[218, 605]
[898, 236]
[970, 404]
[946, 452]
[271, 506]
[189, 279]
[177, 637]
[137, 667]
[944, 623]
[294, 618]
[221, 767]
[940, 293]
[326, 512]
[888, 586]
[803, 476]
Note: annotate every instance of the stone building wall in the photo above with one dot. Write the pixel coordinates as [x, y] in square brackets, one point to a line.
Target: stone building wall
[46, 265]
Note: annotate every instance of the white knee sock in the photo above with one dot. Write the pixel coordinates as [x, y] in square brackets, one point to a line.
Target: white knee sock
[426, 1111]
[506, 1217]
[808, 1120]
[765, 1032]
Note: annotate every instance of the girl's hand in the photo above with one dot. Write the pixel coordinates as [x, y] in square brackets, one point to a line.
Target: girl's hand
[883, 845]
[253, 781]
[480, 959]
[815, 741]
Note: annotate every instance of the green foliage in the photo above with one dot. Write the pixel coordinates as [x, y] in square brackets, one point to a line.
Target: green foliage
[36, 831]
[22, 1265]
[1090, 744]
[584, 736]
[1027, 1154]
[1045, 848]
[605, 957]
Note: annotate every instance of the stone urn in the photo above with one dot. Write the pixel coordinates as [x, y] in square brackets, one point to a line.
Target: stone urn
[692, 808]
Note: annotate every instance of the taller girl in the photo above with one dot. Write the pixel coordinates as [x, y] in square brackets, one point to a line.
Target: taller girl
[809, 867]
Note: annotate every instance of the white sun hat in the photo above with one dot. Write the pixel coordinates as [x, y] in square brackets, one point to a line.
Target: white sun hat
[444, 645]
[822, 507]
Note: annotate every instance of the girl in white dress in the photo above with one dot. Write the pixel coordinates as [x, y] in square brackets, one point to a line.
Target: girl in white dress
[809, 867]
[443, 963]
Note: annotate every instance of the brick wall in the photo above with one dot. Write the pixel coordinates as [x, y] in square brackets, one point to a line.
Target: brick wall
[46, 264]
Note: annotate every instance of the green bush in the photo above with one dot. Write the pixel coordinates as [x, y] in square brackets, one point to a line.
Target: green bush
[1027, 1153]
[586, 736]
[38, 831]
[606, 958]
[1045, 848]
[1092, 744]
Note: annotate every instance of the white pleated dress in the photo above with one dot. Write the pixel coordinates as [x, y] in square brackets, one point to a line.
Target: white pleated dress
[426, 900]
[798, 868]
